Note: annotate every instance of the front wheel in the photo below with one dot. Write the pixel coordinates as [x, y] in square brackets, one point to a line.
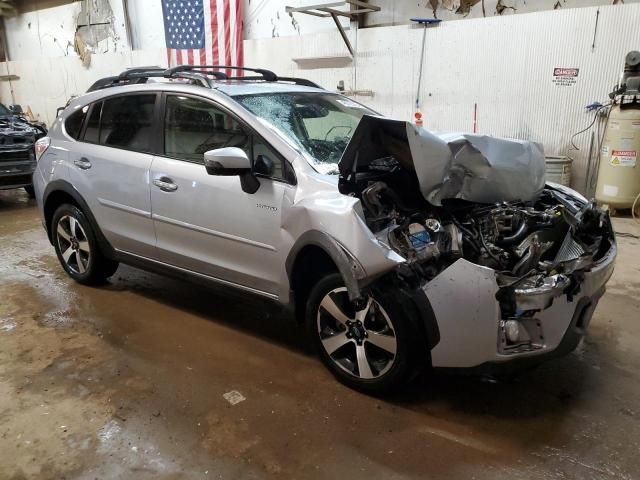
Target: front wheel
[77, 248]
[372, 349]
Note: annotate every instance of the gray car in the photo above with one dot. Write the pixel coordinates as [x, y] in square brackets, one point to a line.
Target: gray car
[398, 249]
[17, 156]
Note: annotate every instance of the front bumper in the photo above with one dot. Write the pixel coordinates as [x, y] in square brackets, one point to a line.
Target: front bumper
[469, 318]
[16, 167]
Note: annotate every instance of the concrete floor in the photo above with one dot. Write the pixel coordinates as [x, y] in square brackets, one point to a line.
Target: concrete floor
[127, 381]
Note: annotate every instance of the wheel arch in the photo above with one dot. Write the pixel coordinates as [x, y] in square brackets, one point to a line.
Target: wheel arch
[318, 253]
[59, 192]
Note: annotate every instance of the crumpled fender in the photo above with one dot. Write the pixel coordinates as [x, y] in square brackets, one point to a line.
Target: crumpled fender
[334, 222]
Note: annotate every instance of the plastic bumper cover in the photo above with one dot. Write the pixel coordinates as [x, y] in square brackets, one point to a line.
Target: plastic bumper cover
[463, 299]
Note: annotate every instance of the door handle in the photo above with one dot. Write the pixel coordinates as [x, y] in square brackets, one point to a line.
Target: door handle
[165, 184]
[82, 163]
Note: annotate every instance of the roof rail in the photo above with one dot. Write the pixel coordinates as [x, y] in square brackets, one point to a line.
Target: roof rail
[132, 71]
[196, 73]
[267, 75]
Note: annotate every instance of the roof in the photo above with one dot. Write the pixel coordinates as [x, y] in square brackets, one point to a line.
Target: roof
[238, 87]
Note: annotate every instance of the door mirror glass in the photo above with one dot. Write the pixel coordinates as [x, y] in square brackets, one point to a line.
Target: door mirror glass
[227, 161]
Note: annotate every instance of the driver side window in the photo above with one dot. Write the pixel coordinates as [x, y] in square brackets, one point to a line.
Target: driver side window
[193, 126]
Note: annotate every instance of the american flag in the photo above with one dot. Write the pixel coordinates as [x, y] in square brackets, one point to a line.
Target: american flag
[203, 32]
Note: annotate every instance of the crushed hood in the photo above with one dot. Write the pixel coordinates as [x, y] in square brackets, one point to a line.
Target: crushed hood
[471, 167]
[17, 127]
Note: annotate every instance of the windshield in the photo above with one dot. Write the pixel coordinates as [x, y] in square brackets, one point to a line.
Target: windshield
[4, 110]
[321, 124]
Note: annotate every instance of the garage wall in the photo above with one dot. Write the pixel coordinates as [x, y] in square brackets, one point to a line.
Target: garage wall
[47, 29]
[398, 12]
[268, 18]
[504, 64]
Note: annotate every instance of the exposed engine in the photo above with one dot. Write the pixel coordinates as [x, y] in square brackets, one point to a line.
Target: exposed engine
[551, 235]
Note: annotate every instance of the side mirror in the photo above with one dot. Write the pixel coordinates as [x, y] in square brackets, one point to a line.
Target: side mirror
[16, 109]
[227, 161]
[231, 161]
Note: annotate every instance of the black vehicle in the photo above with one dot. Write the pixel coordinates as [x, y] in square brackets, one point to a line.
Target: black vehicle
[17, 157]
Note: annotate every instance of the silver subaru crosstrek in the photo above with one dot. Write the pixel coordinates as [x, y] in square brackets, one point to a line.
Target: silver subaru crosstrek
[398, 248]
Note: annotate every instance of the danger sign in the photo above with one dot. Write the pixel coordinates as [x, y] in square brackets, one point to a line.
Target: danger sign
[565, 77]
[624, 158]
[565, 72]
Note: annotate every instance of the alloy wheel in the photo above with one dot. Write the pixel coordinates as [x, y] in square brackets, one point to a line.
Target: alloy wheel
[73, 244]
[361, 342]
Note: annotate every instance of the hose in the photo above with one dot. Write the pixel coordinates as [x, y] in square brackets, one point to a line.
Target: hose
[633, 208]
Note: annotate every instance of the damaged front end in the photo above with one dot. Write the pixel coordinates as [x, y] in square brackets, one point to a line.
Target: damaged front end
[511, 267]
[17, 156]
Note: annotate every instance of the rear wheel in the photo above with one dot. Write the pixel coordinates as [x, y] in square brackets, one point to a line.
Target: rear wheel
[373, 348]
[77, 248]
[30, 191]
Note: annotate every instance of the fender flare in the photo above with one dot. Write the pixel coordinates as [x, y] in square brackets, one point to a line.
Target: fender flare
[66, 187]
[351, 270]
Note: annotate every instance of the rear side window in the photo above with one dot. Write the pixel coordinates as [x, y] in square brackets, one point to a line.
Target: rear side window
[73, 124]
[93, 124]
[127, 122]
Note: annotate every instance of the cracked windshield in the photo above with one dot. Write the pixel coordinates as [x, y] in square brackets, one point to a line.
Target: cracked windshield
[321, 124]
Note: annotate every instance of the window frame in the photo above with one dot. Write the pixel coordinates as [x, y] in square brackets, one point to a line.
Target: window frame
[160, 138]
[82, 124]
[100, 101]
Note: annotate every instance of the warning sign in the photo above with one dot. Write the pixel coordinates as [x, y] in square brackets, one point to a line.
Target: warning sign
[565, 77]
[624, 158]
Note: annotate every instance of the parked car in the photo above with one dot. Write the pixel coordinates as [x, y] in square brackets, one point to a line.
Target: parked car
[17, 158]
[399, 249]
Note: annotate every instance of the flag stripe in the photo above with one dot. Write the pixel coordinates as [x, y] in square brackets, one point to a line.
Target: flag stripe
[239, 19]
[215, 59]
[227, 36]
[207, 32]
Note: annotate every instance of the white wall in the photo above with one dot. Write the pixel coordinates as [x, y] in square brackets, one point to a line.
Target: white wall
[268, 18]
[49, 32]
[504, 64]
[398, 12]
[147, 27]
[42, 33]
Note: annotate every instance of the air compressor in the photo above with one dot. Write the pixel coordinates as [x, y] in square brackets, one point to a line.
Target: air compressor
[619, 170]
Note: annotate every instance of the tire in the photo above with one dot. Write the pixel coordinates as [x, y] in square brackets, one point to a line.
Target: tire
[386, 369]
[30, 191]
[77, 248]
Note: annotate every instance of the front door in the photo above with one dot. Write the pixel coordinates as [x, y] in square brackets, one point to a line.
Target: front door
[207, 223]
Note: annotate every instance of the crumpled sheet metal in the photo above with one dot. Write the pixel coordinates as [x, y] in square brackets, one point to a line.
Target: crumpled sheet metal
[467, 166]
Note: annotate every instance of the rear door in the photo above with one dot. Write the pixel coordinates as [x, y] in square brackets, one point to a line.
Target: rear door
[207, 223]
[110, 169]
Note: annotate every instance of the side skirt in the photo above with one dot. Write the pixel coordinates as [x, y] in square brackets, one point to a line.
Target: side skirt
[162, 268]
